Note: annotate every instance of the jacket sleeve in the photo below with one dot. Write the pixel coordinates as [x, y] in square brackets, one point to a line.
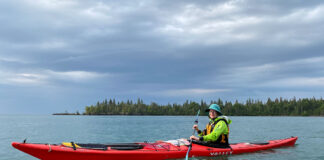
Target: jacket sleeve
[219, 129]
[203, 132]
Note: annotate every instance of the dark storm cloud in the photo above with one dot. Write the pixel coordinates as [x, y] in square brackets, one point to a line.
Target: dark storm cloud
[165, 51]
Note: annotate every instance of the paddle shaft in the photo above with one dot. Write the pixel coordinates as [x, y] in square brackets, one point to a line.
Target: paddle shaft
[193, 133]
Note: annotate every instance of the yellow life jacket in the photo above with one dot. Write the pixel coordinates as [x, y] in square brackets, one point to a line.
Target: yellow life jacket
[223, 138]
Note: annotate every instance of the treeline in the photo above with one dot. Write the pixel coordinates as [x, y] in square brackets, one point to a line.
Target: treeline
[276, 107]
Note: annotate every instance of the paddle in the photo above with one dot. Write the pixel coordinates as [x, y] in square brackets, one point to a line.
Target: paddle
[193, 133]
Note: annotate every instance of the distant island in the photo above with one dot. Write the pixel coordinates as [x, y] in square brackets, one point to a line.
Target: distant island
[66, 113]
[276, 107]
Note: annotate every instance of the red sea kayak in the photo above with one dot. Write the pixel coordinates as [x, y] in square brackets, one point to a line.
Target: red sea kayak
[141, 151]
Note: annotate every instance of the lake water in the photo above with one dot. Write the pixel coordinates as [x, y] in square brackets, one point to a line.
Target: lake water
[105, 129]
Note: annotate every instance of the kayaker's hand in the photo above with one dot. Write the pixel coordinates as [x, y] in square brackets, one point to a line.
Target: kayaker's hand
[195, 127]
[194, 138]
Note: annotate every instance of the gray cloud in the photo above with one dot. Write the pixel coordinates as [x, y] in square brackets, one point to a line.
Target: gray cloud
[86, 51]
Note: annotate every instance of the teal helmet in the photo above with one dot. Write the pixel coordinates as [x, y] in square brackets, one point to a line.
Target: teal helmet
[214, 107]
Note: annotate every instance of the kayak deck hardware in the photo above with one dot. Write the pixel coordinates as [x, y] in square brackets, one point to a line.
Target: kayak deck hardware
[73, 145]
[50, 148]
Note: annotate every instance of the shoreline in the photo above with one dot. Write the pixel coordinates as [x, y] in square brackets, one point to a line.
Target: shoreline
[73, 114]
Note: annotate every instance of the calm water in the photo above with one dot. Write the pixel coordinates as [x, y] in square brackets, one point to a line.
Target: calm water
[104, 129]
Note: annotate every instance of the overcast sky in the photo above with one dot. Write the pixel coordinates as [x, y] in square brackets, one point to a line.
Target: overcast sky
[61, 55]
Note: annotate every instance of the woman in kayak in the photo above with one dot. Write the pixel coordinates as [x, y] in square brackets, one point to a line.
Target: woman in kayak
[217, 130]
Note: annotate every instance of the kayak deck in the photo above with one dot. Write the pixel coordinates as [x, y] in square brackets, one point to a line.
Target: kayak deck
[145, 151]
